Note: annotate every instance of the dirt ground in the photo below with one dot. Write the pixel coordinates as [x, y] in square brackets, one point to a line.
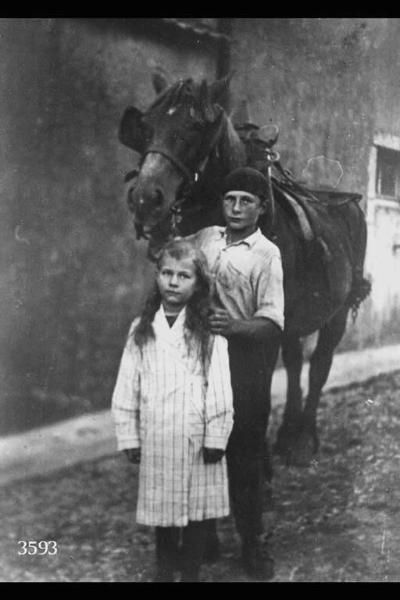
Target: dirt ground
[335, 521]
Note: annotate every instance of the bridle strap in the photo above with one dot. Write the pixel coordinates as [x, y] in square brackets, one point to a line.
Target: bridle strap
[191, 177]
[175, 161]
[271, 228]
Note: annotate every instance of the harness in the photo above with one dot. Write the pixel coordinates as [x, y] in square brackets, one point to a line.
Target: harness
[178, 164]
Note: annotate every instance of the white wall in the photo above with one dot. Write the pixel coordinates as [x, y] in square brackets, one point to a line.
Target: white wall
[383, 249]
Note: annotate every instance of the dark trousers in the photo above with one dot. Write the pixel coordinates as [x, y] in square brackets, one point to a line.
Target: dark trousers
[251, 366]
[188, 557]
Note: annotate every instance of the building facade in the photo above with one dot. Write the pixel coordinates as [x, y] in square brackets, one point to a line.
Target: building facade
[332, 86]
[73, 274]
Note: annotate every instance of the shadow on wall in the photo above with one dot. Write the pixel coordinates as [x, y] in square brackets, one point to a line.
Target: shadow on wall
[63, 361]
[71, 274]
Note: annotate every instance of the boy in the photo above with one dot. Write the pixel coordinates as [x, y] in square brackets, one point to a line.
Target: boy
[247, 276]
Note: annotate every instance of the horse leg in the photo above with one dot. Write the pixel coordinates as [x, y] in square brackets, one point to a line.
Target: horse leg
[292, 356]
[320, 364]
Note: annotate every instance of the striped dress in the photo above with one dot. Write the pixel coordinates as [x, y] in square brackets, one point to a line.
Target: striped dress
[162, 405]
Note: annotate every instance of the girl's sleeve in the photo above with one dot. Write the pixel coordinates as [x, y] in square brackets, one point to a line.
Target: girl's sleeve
[125, 404]
[219, 406]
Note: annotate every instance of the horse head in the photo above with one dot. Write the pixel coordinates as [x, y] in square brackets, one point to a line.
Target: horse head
[175, 137]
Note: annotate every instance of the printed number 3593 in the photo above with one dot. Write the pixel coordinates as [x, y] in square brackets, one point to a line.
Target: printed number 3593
[42, 547]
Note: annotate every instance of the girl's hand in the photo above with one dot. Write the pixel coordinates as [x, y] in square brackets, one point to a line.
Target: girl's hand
[212, 455]
[133, 455]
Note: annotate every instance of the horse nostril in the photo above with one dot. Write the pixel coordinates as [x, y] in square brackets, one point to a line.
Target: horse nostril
[142, 203]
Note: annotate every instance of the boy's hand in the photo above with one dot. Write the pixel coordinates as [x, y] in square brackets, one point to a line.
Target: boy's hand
[133, 455]
[220, 322]
[212, 455]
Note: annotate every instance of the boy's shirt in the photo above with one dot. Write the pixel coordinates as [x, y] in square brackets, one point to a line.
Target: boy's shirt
[247, 275]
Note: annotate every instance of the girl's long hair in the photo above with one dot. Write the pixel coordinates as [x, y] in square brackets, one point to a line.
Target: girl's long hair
[197, 330]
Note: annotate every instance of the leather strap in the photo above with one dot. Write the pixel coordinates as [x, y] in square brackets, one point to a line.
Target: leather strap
[189, 176]
[175, 161]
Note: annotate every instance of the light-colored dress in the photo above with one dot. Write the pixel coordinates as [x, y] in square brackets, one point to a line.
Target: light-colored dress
[162, 404]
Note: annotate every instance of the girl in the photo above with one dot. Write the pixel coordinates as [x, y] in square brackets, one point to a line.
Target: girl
[172, 407]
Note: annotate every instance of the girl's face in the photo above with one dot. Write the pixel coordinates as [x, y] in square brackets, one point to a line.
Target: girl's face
[176, 280]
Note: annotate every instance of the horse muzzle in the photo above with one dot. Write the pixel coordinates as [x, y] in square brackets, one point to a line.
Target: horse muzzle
[148, 208]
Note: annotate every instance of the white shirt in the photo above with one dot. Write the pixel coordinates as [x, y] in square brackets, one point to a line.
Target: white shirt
[247, 274]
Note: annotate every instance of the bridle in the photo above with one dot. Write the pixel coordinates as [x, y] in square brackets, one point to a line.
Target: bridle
[190, 176]
[177, 163]
[272, 158]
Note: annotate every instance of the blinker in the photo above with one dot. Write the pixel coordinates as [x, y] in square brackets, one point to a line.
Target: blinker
[133, 132]
[131, 175]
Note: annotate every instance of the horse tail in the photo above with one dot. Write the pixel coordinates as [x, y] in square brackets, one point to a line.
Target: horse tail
[361, 287]
[359, 291]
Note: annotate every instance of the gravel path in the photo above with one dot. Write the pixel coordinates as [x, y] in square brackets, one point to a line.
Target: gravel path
[335, 521]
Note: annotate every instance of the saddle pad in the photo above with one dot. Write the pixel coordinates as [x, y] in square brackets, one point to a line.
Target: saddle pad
[301, 216]
[334, 197]
[329, 227]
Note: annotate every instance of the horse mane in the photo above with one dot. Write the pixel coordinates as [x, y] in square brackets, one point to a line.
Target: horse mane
[231, 146]
[179, 92]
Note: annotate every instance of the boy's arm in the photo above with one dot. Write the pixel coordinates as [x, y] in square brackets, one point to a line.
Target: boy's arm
[125, 403]
[257, 328]
[218, 404]
[268, 319]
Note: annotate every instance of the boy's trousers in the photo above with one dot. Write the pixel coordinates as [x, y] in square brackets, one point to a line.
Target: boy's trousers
[251, 365]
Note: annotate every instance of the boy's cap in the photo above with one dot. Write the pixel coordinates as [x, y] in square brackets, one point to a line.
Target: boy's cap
[246, 179]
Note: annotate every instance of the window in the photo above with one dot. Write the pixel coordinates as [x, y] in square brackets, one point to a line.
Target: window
[388, 173]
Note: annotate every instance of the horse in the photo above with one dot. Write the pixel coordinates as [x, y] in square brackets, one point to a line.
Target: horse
[187, 143]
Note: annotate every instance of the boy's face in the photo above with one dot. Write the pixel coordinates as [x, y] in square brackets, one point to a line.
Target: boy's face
[242, 210]
[176, 281]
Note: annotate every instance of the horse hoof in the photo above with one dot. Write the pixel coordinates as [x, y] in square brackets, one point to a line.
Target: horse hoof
[280, 448]
[285, 441]
[300, 461]
[303, 452]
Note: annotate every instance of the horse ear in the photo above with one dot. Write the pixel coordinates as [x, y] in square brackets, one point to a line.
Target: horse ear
[220, 87]
[205, 101]
[240, 116]
[132, 131]
[160, 82]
